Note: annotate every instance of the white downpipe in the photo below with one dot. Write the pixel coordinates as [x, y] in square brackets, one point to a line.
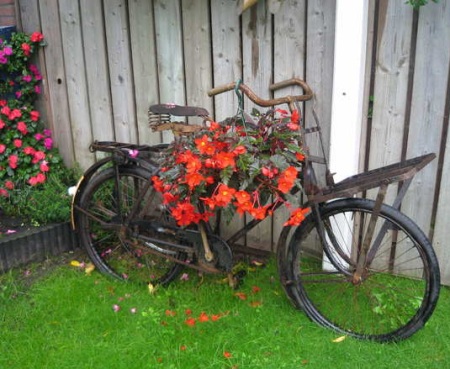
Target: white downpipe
[348, 91]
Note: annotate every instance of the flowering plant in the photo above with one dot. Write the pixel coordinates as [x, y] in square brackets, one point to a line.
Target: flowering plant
[234, 166]
[26, 147]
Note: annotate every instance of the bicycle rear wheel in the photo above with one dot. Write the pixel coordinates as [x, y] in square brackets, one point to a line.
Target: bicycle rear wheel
[399, 287]
[112, 244]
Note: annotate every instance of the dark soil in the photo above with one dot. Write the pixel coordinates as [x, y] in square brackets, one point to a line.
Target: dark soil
[9, 224]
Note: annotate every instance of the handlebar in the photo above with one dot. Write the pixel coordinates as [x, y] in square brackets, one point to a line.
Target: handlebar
[307, 92]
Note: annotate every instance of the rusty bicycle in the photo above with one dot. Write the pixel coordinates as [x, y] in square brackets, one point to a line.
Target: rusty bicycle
[355, 265]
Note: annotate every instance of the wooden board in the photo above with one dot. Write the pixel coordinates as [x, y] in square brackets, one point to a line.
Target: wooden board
[427, 113]
[97, 71]
[143, 51]
[391, 86]
[120, 70]
[170, 55]
[56, 79]
[76, 81]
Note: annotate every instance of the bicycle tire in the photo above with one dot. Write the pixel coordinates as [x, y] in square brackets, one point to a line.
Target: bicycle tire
[109, 241]
[399, 291]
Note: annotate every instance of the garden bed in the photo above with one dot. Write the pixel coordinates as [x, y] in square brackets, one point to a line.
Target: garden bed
[33, 244]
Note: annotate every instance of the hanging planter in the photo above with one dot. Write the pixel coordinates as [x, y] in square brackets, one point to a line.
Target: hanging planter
[35, 244]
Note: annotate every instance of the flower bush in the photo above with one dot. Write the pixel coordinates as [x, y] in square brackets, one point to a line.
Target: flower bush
[234, 166]
[27, 155]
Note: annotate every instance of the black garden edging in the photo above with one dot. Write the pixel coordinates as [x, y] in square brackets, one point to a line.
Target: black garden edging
[36, 245]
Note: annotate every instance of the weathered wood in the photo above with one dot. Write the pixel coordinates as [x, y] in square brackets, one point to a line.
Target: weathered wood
[97, 72]
[227, 62]
[197, 53]
[431, 74]
[56, 79]
[144, 65]
[257, 73]
[391, 85]
[170, 54]
[289, 61]
[120, 70]
[76, 81]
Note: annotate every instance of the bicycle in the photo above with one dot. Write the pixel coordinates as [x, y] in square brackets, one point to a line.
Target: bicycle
[357, 266]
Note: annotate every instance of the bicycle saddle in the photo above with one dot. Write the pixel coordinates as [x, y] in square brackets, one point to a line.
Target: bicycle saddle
[178, 111]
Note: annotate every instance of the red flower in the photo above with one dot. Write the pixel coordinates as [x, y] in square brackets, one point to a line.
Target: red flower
[2, 148]
[194, 179]
[203, 317]
[9, 185]
[259, 212]
[38, 156]
[227, 355]
[44, 166]
[34, 115]
[239, 150]
[2, 124]
[22, 128]
[299, 156]
[36, 37]
[242, 197]
[29, 150]
[15, 113]
[287, 179]
[224, 159]
[3, 192]
[12, 160]
[158, 184]
[26, 48]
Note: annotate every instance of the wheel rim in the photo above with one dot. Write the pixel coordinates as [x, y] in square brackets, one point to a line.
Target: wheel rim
[110, 243]
[390, 299]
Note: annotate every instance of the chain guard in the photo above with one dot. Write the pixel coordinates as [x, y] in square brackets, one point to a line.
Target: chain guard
[223, 256]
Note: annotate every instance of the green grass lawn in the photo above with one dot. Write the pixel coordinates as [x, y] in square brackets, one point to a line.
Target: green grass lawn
[59, 317]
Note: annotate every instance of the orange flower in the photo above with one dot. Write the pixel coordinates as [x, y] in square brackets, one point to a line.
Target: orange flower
[194, 179]
[224, 195]
[190, 322]
[204, 145]
[299, 156]
[227, 355]
[203, 317]
[297, 216]
[224, 159]
[242, 197]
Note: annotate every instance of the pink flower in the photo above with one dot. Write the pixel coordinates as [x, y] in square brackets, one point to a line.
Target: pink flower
[133, 310]
[2, 124]
[17, 143]
[38, 136]
[7, 50]
[116, 308]
[3, 192]
[48, 143]
[38, 156]
[37, 89]
[2, 148]
[27, 78]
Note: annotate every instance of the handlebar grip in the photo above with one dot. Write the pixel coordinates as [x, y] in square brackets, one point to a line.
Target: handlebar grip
[307, 91]
[221, 89]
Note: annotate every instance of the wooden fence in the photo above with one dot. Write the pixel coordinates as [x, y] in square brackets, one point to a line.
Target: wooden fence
[107, 61]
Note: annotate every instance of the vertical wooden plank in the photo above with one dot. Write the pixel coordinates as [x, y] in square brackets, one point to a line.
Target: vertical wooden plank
[391, 86]
[120, 68]
[429, 93]
[97, 73]
[57, 84]
[197, 52]
[143, 52]
[258, 73]
[441, 229]
[289, 61]
[76, 81]
[227, 62]
[170, 54]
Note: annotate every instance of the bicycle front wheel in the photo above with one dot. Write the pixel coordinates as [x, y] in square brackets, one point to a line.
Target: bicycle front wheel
[399, 285]
[111, 237]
